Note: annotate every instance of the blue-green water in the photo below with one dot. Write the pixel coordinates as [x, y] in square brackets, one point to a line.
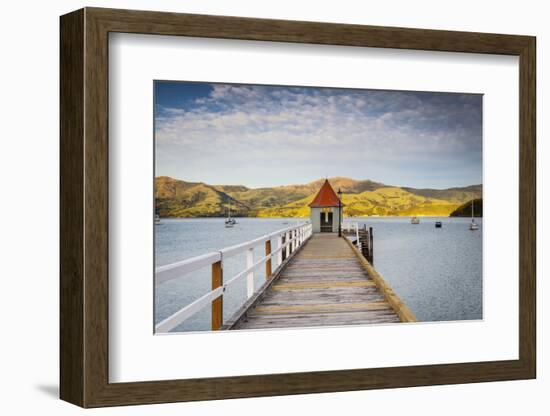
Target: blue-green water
[437, 272]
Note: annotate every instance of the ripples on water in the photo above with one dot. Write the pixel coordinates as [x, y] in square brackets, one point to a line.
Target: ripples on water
[437, 272]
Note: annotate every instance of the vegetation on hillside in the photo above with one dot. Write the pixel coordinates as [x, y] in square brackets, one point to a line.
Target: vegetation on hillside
[175, 198]
[456, 195]
[465, 210]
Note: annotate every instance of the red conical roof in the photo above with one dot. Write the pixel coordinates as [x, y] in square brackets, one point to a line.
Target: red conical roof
[326, 197]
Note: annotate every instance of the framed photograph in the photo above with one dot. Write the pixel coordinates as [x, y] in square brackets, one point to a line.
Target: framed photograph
[255, 207]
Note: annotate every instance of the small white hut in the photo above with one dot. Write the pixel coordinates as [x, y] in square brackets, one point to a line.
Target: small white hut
[325, 210]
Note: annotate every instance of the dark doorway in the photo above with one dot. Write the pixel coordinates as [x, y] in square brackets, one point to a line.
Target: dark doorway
[326, 222]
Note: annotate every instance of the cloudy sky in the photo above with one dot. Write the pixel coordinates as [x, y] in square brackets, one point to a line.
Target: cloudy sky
[269, 135]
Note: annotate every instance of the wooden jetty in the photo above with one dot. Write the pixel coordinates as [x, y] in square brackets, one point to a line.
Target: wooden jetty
[324, 284]
[320, 279]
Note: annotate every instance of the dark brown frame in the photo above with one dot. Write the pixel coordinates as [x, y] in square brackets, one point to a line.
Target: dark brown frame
[84, 207]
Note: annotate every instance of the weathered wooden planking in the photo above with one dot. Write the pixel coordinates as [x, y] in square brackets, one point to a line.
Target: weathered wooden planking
[322, 296]
[293, 321]
[324, 284]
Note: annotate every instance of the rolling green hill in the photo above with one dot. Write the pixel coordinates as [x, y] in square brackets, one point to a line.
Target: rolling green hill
[175, 198]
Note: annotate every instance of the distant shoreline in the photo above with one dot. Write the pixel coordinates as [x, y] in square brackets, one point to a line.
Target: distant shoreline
[175, 198]
[305, 218]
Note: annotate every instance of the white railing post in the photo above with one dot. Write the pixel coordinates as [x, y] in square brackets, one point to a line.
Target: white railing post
[268, 268]
[250, 275]
[279, 250]
[287, 248]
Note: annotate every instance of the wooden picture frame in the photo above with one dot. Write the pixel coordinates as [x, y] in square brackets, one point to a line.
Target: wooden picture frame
[84, 207]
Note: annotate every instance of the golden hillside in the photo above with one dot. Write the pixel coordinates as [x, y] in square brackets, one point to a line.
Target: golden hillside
[175, 198]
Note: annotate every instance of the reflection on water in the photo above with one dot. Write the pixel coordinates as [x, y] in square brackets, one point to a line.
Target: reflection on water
[437, 272]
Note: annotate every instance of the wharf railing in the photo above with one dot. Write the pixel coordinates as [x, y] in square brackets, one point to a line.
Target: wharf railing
[288, 240]
[352, 228]
[364, 238]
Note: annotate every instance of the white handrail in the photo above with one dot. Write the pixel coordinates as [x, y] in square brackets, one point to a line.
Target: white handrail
[350, 227]
[299, 233]
[185, 313]
[239, 248]
[248, 270]
[180, 268]
[256, 265]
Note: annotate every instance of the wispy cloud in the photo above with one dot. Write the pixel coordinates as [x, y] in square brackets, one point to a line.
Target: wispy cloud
[331, 131]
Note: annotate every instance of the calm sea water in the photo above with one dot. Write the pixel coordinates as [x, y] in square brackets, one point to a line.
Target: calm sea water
[437, 272]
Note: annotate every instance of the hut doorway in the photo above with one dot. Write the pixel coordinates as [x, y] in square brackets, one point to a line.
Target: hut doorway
[326, 222]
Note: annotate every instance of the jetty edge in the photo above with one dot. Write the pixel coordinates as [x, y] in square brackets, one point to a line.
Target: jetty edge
[402, 310]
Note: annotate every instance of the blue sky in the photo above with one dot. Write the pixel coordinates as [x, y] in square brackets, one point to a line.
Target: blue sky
[259, 136]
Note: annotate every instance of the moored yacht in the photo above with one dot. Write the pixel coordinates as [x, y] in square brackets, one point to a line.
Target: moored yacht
[229, 222]
[473, 226]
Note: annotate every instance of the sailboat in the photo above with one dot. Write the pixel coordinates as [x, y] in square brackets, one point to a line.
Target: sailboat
[473, 225]
[229, 222]
[415, 220]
